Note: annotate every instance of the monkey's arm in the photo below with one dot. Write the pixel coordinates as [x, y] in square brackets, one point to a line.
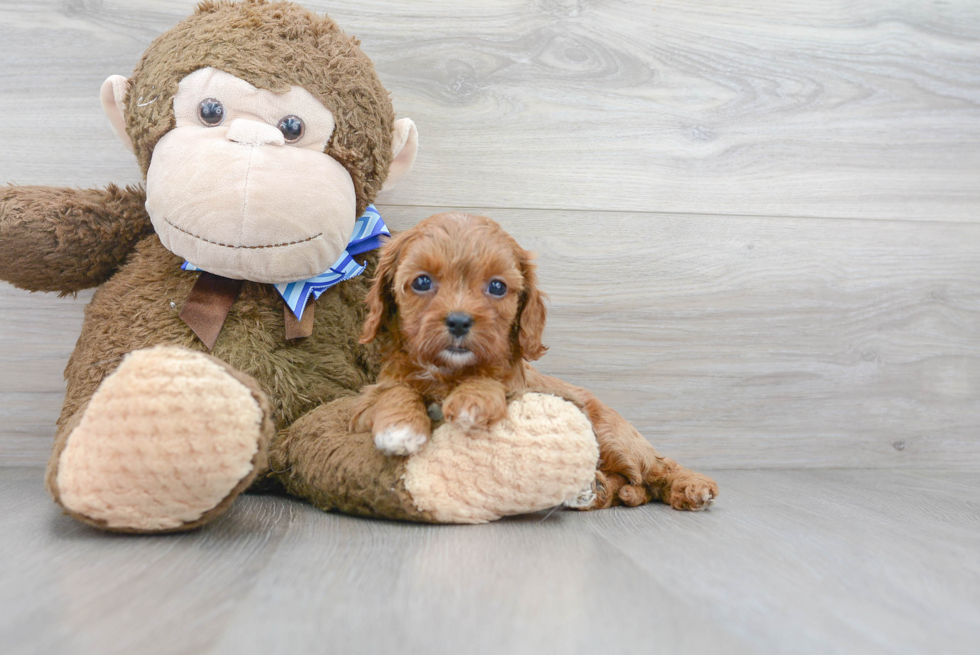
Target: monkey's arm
[60, 239]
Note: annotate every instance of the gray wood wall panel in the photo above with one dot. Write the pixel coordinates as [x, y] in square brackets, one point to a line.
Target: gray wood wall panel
[731, 342]
[825, 108]
[689, 174]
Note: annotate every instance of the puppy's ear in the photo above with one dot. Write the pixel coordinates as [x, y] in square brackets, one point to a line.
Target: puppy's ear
[531, 312]
[380, 297]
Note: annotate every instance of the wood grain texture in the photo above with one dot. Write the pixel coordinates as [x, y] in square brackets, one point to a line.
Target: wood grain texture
[730, 342]
[37, 334]
[742, 342]
[817, 108]
[786, 561]
[683, 170]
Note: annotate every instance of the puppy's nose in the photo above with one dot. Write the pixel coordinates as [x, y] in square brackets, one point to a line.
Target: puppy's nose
[459, 323]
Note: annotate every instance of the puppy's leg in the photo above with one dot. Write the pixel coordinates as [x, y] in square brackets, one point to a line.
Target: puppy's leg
[631, 472]
[362, 409]
[397, 418]
[478, 402]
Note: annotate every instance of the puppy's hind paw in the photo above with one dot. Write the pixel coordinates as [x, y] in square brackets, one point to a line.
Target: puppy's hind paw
[399, 439]
[585, 499]
[694, 492]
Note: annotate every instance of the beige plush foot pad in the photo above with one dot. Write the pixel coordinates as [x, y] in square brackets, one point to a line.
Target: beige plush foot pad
[542, 455]
[165, 439]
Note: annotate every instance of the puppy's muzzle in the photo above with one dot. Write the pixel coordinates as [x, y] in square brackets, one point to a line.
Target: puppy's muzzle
[459, 324]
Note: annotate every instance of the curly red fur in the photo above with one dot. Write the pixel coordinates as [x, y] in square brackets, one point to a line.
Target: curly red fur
[470, 374]
[462, 254]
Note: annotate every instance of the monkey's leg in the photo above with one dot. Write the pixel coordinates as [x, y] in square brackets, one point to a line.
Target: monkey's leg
[165, 444]
[542, 455]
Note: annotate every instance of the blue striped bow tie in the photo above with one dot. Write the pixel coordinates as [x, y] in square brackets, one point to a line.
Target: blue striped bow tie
[368, 230]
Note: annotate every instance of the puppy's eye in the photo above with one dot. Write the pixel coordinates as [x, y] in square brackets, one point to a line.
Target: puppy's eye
[292, 128]
[497, 288]
[422, 283]
[211, 112]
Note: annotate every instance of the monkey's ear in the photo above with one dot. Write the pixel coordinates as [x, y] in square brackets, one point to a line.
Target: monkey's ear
[404, 147]
[113, 97]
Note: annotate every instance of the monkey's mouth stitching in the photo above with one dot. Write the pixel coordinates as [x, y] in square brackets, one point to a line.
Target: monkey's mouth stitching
[228, 245]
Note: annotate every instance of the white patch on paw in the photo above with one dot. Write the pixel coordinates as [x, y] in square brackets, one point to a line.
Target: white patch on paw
[583, 499]
[464, 419]
[399, 440]
[706, 499]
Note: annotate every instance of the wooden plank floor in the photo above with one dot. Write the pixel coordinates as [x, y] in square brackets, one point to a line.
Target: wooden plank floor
[825, 561]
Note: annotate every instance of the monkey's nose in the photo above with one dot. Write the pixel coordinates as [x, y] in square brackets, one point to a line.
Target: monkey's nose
[254, 133]
[459, 323]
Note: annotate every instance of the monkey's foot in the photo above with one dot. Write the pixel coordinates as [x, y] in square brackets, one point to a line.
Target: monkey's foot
[166, 443]
[544, 454]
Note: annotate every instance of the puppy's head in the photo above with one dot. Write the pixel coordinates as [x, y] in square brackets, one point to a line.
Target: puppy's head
[456, 291]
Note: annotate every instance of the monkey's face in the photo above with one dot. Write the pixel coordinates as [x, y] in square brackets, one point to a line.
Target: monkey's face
[241, 187]
[247, 177]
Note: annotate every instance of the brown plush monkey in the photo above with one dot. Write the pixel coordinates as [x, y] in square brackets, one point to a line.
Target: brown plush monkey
[263, 134]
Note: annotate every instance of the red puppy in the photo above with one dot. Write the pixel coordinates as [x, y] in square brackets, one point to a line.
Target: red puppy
[456, 306]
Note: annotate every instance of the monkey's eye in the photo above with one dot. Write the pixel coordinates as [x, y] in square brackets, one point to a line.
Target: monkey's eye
[422, 283]
[211, 112]
[497, 288]
[292, 128]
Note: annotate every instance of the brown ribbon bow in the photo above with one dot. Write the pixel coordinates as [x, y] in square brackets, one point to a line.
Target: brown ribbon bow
[210, 300]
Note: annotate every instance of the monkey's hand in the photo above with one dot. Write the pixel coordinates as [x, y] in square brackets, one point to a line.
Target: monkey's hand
[60, 239]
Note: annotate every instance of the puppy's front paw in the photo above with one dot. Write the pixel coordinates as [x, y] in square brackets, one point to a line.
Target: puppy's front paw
[474, 410]
[399, 439]
[362, 416]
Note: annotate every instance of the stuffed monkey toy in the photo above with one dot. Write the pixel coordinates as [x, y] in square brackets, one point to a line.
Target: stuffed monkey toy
[221, 348]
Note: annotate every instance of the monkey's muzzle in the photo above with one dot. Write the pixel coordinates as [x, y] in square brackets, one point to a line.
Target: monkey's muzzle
[239, 203]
